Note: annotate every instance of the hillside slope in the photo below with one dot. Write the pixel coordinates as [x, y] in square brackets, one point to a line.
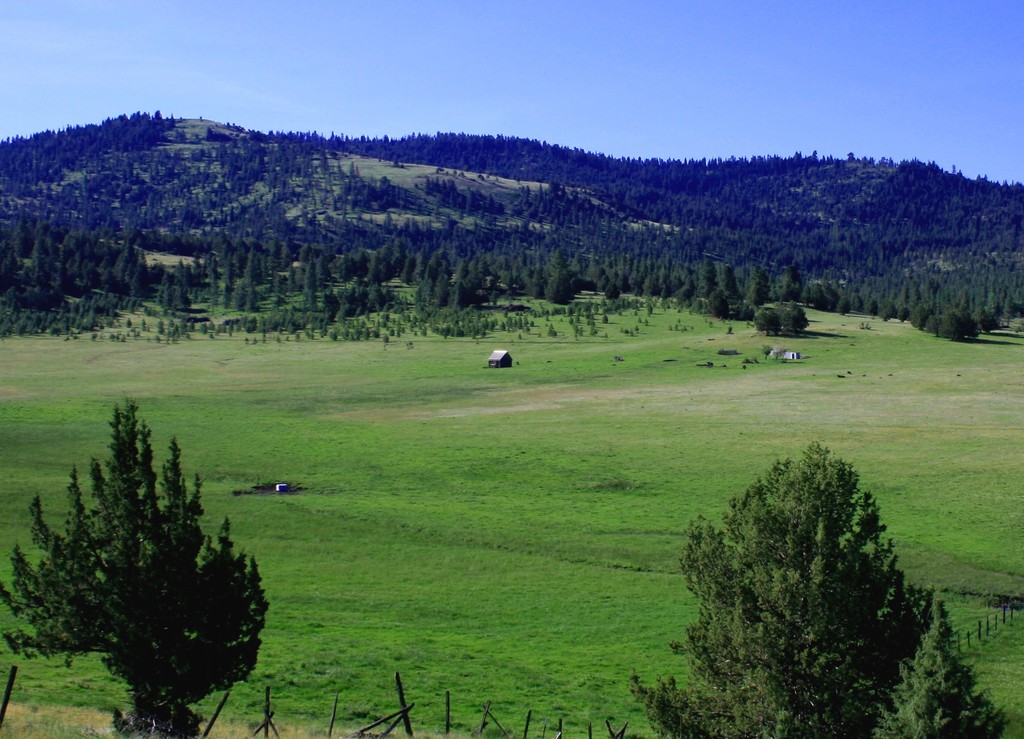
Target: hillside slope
[845, 218]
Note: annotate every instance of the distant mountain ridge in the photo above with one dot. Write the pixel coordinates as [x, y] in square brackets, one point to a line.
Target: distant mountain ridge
[843, 218]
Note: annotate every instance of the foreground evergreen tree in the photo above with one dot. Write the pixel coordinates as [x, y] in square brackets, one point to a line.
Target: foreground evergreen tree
[936, 698]
[174, 613]
[803, 618]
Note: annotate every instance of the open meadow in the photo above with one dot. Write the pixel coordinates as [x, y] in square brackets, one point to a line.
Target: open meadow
[512, 535]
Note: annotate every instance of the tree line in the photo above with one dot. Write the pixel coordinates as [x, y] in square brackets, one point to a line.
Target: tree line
[59, 281]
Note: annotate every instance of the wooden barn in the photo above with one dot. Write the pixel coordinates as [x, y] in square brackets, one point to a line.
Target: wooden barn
[499, 358]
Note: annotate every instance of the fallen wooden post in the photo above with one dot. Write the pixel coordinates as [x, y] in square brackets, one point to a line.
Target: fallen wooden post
[213, 719]
[496, 723]
[620, 734]
[391, 726]
[397, 714]
[483, 722]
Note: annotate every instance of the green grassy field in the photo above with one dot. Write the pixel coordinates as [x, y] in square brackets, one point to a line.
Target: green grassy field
[512, 535]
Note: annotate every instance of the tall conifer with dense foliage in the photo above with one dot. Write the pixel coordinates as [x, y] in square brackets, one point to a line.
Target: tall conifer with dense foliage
[174, 613]
[803, 618]
[937, 696]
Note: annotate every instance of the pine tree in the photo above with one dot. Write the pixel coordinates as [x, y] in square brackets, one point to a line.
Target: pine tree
[174, 613]
[758, 287]
[803, 615]
[708, 278]
[558, 287]
[790, 285]
[727, 282]
[767, 321]
[792, 318]
[936, 697]
[718, 304]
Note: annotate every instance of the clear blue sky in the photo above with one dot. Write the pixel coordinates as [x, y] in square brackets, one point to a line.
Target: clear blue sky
[937, 81]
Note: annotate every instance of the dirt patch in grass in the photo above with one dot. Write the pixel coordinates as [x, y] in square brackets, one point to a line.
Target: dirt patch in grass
[272, 488]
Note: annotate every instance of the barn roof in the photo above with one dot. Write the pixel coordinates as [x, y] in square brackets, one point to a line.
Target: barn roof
[498, 353]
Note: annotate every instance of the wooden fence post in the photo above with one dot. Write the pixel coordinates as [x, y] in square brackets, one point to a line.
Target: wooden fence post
[401, 702]
[447, 712]
[7, 693]
[268, 716]
[526, 729]
[334, 714]
[266, 712]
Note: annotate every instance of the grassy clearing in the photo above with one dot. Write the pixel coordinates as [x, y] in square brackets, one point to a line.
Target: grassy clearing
[512, 536]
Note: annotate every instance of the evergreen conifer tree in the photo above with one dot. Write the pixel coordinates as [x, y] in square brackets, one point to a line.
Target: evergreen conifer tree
[937, 697]
[174, 613]
[803, 616]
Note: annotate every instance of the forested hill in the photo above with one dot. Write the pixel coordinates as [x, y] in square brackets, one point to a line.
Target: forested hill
[470, 219]
[832, 217]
